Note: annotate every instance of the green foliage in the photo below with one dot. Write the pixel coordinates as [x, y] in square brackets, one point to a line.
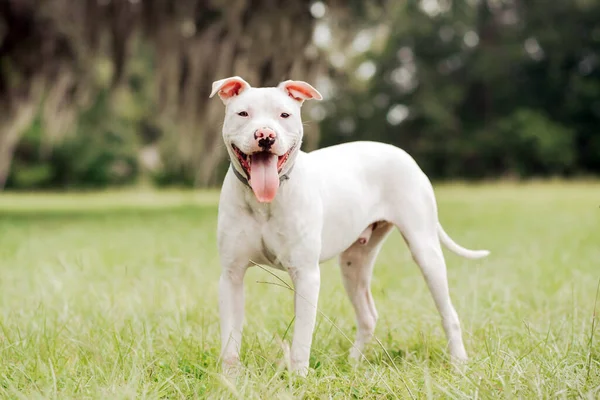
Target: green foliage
[496, 89]
[533, 142]
[512, 89]
[102, 151]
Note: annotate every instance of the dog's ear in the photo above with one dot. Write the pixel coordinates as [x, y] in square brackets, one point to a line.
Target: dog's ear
[300, 91]
[229, 87]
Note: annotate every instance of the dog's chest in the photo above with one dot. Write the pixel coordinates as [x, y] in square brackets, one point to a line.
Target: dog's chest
[269, 238]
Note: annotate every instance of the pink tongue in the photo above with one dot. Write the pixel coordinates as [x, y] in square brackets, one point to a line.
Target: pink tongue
[264, 179]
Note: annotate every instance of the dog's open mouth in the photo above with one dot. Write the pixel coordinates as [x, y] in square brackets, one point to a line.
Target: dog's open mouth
[262, 169]
[246, 159]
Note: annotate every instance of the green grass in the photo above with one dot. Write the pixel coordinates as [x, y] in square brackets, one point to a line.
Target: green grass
[114, 295]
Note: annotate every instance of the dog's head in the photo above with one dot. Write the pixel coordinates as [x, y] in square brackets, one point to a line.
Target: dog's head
[263, 129]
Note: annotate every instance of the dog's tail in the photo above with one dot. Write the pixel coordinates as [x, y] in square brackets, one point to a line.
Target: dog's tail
[458, 249]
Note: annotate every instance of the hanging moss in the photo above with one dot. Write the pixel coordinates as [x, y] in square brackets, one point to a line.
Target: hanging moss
[64, 52]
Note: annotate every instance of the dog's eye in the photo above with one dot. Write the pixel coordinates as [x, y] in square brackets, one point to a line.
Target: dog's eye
[243, 114]
[284, 115]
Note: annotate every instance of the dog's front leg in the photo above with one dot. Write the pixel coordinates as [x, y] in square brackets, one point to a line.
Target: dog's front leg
[231, 309]
[307, 281]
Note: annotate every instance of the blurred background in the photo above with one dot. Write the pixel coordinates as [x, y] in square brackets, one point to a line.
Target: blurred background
[107, 93]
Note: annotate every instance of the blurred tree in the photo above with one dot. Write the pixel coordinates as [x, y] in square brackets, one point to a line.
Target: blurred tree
[57, 55]
[471, 88]
[480, 88]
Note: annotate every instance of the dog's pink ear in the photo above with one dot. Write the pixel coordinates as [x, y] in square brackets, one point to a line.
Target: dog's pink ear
[229, 87]
[300, 91]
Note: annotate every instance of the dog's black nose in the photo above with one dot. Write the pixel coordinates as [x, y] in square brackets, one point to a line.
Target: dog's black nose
[266, 143]
[266, 137]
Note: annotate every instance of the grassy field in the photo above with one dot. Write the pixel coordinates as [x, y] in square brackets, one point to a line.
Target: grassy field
[114, 296]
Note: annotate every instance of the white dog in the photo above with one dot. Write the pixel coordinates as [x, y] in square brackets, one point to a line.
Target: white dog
[293, 210]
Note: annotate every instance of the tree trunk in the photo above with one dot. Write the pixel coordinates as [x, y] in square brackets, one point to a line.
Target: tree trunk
[195, 42]
[246, 41]
[12, 126]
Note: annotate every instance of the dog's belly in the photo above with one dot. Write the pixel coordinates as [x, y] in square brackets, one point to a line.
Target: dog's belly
[340, 233]
[349, 208]
[360, 183]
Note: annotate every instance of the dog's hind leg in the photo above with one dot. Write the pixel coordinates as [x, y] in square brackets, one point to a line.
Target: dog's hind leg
[356, 264]
[418, 225]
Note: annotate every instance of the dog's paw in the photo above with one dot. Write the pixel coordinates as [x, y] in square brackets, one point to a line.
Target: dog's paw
[355, 356]
[459, 363]
[300, 369]
[231, 367]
